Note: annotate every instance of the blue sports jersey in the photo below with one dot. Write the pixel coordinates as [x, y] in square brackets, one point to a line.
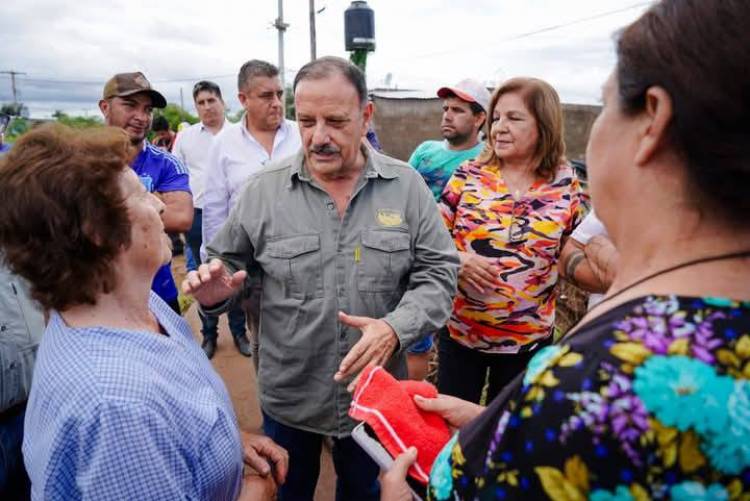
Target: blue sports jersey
[160, 171]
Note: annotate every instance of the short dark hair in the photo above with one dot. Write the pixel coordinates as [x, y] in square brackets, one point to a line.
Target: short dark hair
[160, 123]
[64, 215]
[696, 50]
[326, 66]
[206, 86]
[255, 68]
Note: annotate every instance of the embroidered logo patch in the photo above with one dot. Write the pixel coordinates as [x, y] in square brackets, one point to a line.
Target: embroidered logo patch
[388, 217]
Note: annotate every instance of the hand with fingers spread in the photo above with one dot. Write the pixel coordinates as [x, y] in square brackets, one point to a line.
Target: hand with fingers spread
[393, 486]
[477, 271]
[377, 344]
[265, 457]
[455, 411]
[212, 283]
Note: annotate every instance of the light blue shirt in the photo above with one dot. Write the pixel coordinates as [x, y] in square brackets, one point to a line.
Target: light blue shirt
[437, 163]
[120, 414]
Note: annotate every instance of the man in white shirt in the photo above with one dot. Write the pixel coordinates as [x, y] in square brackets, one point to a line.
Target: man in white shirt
[192, 147]
[262, 135]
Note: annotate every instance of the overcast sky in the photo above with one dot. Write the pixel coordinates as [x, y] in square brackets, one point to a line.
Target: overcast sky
[68, 49]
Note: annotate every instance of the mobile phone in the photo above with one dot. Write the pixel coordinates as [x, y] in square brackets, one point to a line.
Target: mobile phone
[366, 438]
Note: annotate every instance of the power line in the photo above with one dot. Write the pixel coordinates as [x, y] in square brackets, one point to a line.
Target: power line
[543, 30]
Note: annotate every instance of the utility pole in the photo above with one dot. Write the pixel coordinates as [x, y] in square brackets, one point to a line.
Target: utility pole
[182, 101]
[312, 31]
[281, 26]
[13, 74]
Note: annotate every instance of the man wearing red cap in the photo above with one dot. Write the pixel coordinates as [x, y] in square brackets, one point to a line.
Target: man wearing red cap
[464, 114]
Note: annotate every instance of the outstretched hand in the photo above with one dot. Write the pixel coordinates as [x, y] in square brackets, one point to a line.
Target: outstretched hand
[212, 283]
[375, 347]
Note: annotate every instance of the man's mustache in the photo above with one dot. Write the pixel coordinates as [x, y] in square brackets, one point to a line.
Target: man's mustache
[325, 149]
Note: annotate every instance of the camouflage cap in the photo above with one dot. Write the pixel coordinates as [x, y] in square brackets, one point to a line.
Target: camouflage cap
[127, 84]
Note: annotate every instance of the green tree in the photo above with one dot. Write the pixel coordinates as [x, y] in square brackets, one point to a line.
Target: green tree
[17, 127]
[289, 103]
[175, 115]
[77, 122]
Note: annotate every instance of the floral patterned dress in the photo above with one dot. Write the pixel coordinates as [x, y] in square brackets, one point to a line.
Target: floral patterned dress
[649, 401]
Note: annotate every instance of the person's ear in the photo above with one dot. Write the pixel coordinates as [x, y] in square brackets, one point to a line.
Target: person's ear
[655, 121]
[367, 113]
[479, 120]
[104, 107]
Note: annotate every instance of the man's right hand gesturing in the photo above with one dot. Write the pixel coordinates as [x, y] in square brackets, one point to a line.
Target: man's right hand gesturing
[211, 283]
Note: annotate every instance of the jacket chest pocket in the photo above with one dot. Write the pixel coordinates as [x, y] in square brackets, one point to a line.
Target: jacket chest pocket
[386, 259]
[296, 261]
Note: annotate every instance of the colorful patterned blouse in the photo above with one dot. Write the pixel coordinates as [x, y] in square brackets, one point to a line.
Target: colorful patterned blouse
[649, 401]
[524, 237]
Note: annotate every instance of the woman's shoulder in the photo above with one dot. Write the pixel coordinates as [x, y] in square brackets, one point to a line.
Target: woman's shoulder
[655, 390]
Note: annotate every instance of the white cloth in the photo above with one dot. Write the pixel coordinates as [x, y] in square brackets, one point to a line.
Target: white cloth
[192, 147]
[233, 158]
[588, 229]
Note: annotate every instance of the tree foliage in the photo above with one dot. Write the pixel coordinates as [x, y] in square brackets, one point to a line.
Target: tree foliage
[77, 122]
[175, 115]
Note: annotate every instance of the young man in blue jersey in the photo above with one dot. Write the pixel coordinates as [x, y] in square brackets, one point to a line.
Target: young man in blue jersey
[127, 102]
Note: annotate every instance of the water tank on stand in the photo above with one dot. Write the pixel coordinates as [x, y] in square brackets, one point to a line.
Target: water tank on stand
[359, 27]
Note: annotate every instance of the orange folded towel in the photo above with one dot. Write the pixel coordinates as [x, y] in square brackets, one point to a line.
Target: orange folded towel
[387, 405]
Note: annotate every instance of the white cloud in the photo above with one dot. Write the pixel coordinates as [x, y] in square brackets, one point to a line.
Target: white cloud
[423, 44]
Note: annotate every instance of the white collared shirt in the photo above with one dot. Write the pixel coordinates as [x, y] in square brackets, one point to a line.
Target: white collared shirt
[192, 147]
[234, 156]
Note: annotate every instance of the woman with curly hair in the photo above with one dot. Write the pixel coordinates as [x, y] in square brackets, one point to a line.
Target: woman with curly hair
[124, 404]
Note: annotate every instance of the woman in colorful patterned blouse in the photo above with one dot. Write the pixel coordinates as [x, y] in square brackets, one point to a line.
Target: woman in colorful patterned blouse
[509, 213]
[650, 397]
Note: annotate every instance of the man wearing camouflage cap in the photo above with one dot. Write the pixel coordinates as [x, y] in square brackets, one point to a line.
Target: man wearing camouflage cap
[127, 102]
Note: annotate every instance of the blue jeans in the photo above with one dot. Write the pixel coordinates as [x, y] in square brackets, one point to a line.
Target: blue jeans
[356, 473]
[210, 323]
[14, 482]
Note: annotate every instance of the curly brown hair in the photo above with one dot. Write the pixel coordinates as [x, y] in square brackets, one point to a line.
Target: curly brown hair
[543, 102]
[64, 216]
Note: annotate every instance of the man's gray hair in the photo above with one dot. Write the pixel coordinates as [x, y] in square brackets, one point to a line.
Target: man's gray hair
[255, 68]
[327, 66]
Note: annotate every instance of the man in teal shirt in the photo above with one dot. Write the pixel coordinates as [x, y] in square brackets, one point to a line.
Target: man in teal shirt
[464, 114]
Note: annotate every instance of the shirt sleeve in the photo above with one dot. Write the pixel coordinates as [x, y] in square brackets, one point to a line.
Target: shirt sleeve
[428, 300]
[174, 176]
[588, 229]
[124, 450]
[577, 208]
[215, 196]
[177, 148]
[451, 195]
[233, 245]
[416, 156]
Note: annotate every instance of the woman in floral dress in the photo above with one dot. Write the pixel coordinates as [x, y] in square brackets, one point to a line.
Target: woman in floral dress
[649, 398]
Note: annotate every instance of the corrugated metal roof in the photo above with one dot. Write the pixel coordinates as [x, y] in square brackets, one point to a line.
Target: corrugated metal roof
[402, 94]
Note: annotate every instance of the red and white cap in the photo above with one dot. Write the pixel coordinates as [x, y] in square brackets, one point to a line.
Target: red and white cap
[468, 90]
